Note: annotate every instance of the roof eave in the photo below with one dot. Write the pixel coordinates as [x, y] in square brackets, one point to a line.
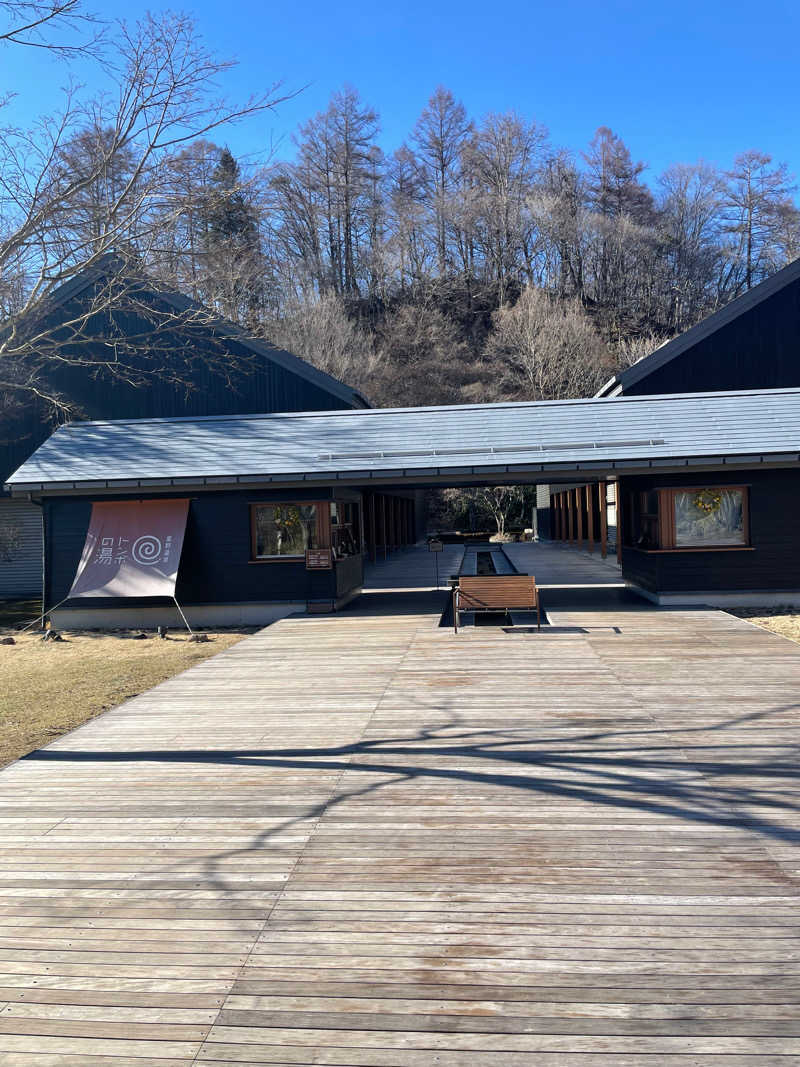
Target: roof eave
[596, 468]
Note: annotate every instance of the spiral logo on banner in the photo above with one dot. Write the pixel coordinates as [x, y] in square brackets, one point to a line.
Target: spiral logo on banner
[146, 550]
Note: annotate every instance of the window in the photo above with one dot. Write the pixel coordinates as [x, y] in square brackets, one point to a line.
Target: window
[689, 518]
[708, 517]
[283, 530]
[345, 529]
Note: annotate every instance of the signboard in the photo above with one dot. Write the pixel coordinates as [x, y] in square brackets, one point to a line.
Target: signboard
[319, 559]
[132, 548]
[435, 546]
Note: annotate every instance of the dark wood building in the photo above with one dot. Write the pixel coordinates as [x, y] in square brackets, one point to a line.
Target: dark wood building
[751, 343]
[190, 363]
[282, 509]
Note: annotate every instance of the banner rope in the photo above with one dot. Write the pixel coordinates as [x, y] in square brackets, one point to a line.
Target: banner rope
[40, 618]
[180, 609]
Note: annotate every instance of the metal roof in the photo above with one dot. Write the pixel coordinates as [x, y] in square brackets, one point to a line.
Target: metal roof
[480, 440]
[695, 334]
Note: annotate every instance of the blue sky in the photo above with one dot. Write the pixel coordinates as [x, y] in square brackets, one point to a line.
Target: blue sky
[678, 81]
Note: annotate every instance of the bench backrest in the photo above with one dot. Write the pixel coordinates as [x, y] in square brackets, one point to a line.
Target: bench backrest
[497, 592]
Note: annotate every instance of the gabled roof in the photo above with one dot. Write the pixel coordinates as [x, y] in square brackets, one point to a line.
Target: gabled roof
[678, 345]
[469, 442]
[109, 263]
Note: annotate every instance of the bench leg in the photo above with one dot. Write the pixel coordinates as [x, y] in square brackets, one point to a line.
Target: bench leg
[455, 611]
[538, 615]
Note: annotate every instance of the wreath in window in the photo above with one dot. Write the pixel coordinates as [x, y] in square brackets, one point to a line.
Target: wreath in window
[708, 501]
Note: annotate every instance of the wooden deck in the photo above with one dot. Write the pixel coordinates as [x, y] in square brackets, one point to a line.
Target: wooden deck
[360, 840]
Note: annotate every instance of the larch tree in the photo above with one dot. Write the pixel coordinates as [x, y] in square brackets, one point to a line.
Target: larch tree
[440, 137]
[689, 208]
[625, 215]
[755, 201]
[506, 156]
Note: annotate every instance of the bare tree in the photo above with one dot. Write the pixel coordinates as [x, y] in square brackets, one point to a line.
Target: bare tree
[166, 98]
[755, 200]
[630, 350]
[689, 210]
[410, 254]
[180, 253]
[62, 27]
[506, 155]
[623, 228]
[503, 505]
[317, 328]
[559, 214]
[335, 183]
[440, 137]
[548, 349]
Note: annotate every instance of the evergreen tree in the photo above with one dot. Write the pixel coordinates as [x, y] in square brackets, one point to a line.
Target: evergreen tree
[235, 263]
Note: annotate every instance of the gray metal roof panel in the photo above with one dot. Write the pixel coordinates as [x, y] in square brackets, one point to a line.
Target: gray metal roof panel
[404, 441]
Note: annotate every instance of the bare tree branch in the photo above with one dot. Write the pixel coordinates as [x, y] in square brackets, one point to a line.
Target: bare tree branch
[31, 23]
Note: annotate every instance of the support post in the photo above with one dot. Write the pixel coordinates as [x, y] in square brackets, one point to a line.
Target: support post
[603, 491]
[570, 515]
[579, 514]
[590, 515]
[372, 529]
[618, 495]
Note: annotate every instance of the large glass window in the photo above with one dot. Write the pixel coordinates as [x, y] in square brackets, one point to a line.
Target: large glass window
[709, 517]
[284, 530]
[690, 518]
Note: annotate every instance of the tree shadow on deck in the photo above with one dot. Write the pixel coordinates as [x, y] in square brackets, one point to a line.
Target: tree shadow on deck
[626, 776]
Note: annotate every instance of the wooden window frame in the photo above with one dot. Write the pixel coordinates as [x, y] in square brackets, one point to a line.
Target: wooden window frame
[666, 520]
[323, 526]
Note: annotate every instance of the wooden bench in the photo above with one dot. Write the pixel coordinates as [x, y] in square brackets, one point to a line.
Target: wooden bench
[498, 592]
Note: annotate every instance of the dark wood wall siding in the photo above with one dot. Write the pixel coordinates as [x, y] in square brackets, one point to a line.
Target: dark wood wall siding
[215, 564]
[214, 377]
[758, 350]
[774, 563]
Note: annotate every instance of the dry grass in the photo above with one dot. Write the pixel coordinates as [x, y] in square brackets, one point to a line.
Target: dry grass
[49, 687]
[783, 621]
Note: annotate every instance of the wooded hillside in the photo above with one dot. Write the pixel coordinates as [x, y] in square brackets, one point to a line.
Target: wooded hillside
[477, 261]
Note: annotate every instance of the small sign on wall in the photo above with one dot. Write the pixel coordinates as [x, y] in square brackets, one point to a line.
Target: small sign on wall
[319, 559]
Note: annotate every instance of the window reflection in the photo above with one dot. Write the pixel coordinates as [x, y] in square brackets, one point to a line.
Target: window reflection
[345, 529]
[284, 529]
[709, 517]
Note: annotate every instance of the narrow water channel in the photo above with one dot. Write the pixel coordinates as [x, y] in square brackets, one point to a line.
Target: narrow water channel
[485, 563]
[485, 559]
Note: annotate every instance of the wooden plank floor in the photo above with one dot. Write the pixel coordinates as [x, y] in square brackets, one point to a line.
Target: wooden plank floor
[360, 840]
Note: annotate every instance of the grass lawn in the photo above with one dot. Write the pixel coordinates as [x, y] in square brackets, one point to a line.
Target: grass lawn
[783, 621]
[50, 687]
